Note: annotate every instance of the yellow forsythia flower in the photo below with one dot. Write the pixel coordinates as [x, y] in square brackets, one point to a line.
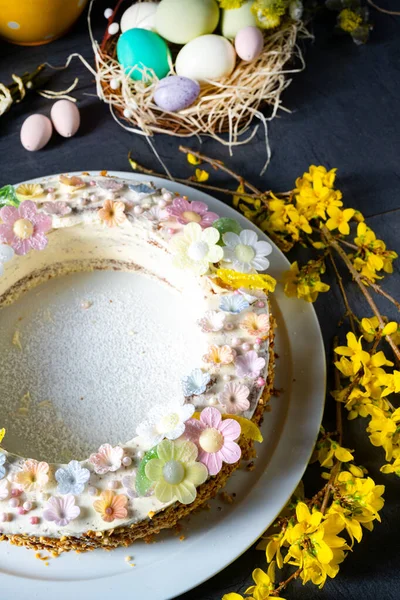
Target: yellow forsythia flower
[201, 175]
[354, 351]
[192, 159]
[264, 584]
[349, 20]
[2, 434]
[339, 219]
[305, 282]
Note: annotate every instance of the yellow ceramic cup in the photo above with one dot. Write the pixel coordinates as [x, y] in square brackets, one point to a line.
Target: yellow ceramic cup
[35, 22]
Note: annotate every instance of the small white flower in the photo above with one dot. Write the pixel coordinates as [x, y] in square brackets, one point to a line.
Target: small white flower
[213, 320]
[72, 478]
[6, 254]
[156, 214]
[195, 248]
[245, 252]
[167, 422]
[4, 489]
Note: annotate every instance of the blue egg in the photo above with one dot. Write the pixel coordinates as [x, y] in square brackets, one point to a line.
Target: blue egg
[142, 49]
[176, 93]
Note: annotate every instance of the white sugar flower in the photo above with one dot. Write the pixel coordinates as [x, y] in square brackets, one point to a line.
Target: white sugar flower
[245, 252]
[6, 254]
[213, 320]
[166, 422]
[195, 248]
[4, 489]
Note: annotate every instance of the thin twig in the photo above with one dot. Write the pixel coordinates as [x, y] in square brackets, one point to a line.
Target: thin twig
[345, 243]
[349, 312]
[283, 585]
[379, 290]
[359, 280]
[383, 10]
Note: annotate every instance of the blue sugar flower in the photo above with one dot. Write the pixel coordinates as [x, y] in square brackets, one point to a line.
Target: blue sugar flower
[141, 188]
[3, 459]
[195, 383]
[72, 478]
[233, 303]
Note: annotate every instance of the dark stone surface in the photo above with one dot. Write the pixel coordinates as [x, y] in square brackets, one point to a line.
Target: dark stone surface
[345, 114]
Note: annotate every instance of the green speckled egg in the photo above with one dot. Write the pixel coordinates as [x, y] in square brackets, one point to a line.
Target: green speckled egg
[140, 48]
[180, 21]
[234, 19]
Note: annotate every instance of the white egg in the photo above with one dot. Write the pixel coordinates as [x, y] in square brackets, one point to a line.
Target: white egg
[36, 131]
[66, 117]
[141, 15]
[206, 57]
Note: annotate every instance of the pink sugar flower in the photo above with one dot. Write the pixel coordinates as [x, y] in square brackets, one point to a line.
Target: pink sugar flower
[234, 397]
[107, 459]
[23, 228]
[191, 212]
[249, 364]
[254, 324]
[61, 510]
[215, 439]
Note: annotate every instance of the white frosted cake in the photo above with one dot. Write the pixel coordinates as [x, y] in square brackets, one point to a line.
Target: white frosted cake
[187, 370]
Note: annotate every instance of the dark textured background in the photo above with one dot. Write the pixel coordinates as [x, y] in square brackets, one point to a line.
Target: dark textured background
[345, 114]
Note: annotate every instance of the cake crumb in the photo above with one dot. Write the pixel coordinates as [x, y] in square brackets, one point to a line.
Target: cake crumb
[16, 340]
[182, 538]
[128, 558]
[132, 565]
[86, 304]
[227, 498]
[250, 466]
[151, 514]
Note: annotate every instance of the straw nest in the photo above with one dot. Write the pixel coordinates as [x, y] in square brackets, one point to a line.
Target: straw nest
[227, 106]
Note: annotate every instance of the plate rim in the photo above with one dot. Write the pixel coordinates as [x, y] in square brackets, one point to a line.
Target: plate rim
[177, 589]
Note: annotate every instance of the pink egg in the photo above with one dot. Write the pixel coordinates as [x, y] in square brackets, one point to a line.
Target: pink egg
[249, 43]
[36, 131]
[66, 118]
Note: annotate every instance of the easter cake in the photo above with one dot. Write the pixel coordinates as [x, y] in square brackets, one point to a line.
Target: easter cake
[188, 443]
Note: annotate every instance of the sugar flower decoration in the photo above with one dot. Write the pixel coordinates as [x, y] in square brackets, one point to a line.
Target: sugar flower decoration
[23, 228]
[252, 295]
[245, 252]
[234, 397]
[111, 506]
[191, 212]
[3, 459]
[4, 489]
[195, 248]
[175, 472]
[73, 182]
[196, 383]
[110, 184]
[215, 439]
[61, 510]
[219, 355]
[107, 459]
[249, 364]
[112, 213]
[6, 254]
[129, 483]
[27, 191]
[213, 320]
[233, 303]
[156, 214]
[72, 478]
[33, 475]
[255, 324]
[57, 208]
[166, 422]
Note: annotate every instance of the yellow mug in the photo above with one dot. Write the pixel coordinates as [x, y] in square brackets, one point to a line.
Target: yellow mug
[35, 22]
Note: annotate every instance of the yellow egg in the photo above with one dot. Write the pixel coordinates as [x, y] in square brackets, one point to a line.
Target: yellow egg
[180, 21]
[208, 57]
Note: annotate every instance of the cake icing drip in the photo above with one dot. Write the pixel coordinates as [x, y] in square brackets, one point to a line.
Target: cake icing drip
[79, 220]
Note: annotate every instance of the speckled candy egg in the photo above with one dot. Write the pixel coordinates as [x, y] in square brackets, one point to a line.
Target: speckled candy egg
[65, 117]
[142, 49]
[36, 131]
[249, 43]
[206, 57]
[142, 15]
[180, 21]
[176, 93]
[235, 19]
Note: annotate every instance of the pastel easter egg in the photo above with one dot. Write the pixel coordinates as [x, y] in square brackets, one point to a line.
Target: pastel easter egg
[139, 50]
[206, 57]
[36, 131]
[141, 14]
[65, 117]
[180, 21]
[176, 93]
[249, 43]
[235, 19]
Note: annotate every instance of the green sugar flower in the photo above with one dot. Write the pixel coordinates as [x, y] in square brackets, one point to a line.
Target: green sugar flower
[176, 472]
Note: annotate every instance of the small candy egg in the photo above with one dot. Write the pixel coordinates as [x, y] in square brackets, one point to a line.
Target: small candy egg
[65, 117]
[206, 57]
[234, 19]
[142, 15]
[176, 93]
[36, 131]
[249, 43]
[180, 21]
[139, 50]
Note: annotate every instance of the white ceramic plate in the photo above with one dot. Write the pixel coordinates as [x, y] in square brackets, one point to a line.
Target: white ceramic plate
[214, 538]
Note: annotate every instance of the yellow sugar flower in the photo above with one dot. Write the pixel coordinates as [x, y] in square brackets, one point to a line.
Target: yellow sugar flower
[195, 248]
[354, 351]
[219, 355]
[176, 472]
[264, 584]
[28, 191]
[339, 219]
